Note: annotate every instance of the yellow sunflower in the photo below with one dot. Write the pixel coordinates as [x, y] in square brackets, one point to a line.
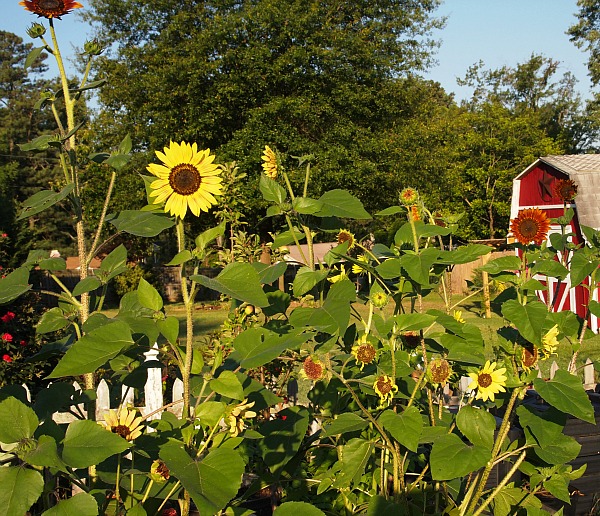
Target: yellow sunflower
[188, 178]
[488, 381]
[270, 162]
[238, 414]
[550, 342]
[357, 268]
[345, 236]
[529, 357]
[457, 314]
[385, 387]
[50, 8]
[531, 225]
[364, 352]
[123, 422]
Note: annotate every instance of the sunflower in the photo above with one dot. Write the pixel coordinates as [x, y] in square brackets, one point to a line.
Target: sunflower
[364, 353]
[50, 8]
[124, 423]
[270, 162]
[564, 189]
[385, 387]
[529, 357]
[337, 277]
[439, 371]
[238, 414]
[312, 369]
[457, 314]
[531, 225]
[188, 178]
[357, 268]
[378, 299]
[414, 213]
[409, 196]
[488, 381]
[159, 472]
[346, 236]
[550, 342]
[411, 339]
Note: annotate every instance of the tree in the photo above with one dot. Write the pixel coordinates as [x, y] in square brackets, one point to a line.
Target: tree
[585, 34]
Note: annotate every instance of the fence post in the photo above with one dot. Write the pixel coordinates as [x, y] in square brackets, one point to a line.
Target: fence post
[589, 380]
[102, 400]
[153, 387]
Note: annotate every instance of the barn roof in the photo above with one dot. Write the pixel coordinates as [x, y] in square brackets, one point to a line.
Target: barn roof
[584, 169]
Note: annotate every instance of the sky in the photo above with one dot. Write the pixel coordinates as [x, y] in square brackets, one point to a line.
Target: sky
[498, 32]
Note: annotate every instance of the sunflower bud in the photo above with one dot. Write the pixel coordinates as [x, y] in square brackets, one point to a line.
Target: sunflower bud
[93, 48]
[37, 30]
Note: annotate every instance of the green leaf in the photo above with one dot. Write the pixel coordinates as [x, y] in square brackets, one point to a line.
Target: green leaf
[380, 506]
[389, 269]
[14, 284]
[550, 268]
[581, 266]
[561, 450]
[297, 509]
[346, 422]
[21, 487]
[182, 257]
[268, 275]
[40, 201]
[53, 320]
[93, 350]
[82, 504]
[227, 384]
[114, 263]
[412, 322]
[53, 264]
[306, 205]
[392, 210]
[477, 426]
[142, 223]
[545, 426]
[558, 487]
[271, 190]
[341, 203]
[405, 427]
[238, 280]
[148, 296]
[87, 443]
[33, 56]
[169, 327]
[306, 279]
[464, 254]
[528, 319]
[17, 421]
[210, 412]
[211, 481]
[451, 458]
[209, 236]
[594, 307]
[41, 143]
[565, 392]
[502, 264]
[283, 437]
[287, 237]
[509, 499]
[45, 454]
[354, 458]
[422, 230]
[86, 285]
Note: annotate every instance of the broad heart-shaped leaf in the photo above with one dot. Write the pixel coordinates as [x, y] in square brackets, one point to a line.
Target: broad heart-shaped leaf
[341, 203]
[53, 264]
[544, 426]
[380, 506]
[86, 285]
[306, 279]
[594, 307]
[169, 327]
[182, 257]
[93, 350]
[405, 427]
[417, 266]
[464, 254]
[257, 346]
[87, 443]
[354, 458]
[306, 205]
[283, 437]
[148, 296]
[33, 55]
[509, 499]
[558, 487]
[297, 509]
[346, 422]
[208, 236]
[238, 280]
[211, 481]
[21, 487]
[82, 504]
[17, 421]
[390, 268]
[271, 190]
[142, 223]
[40, 201]
[452, 458]
[45, 454]
[269, 273]
[227, 384]
[502, 264]
[422, 230]
[14, 284]
[416, 321]
[114, 263]
[528, 319]
[53, 320]
[562, 449]
[391, 210]
[477, 426]
[565, 392]
[550, 268]
[581, 266]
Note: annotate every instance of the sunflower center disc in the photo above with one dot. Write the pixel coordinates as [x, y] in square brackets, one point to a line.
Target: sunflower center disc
[185, 179]
[484, 380]
[529, 228]
[121, 430]
[51, 5]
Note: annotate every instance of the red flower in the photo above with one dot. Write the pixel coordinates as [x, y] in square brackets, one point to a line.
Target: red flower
[168, 512]
[23, 343]
[7, 317]
[6, 358]
[6, 337]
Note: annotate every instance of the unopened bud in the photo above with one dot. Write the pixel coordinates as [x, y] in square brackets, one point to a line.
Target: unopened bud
[93, 47]
[37, 30]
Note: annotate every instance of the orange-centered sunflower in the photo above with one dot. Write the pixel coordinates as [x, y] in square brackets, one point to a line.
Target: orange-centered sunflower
[188, 179]
[531, 225]
[50, 8]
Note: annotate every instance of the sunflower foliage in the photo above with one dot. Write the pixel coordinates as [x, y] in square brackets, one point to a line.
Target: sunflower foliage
[374, 430]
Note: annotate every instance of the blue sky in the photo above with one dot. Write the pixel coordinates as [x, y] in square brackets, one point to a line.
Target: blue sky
[499, 32]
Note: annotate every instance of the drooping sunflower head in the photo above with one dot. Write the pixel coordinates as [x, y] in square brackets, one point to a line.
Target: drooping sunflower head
[488, 381]
[385, 387]
[159, 472]
[50, 8]
[237, 415]
[364, 353]
[409, 196]
[312, 369]
[550, 342]
[565, 189]
[123, 421]
[346, 236]
[358, 268]
[188, 178]
[269, 162]
[531, 225]
[457, 314]
[411, 339]
[439, 371]
[529, 357]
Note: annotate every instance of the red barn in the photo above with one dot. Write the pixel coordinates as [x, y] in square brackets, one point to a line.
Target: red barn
[532, 188]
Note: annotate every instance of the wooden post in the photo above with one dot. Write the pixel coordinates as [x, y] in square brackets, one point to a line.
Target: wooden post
[153, 387]
[485, 280]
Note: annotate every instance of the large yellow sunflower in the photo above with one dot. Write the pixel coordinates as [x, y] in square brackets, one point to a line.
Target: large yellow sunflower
[124, 422]
[50, 8]
[270, 162]
[188, 178]
[531, 225]
[488, 381]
